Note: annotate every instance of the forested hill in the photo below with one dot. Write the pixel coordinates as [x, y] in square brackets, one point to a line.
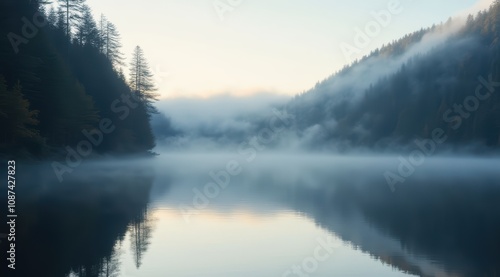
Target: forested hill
[438, 81]
[61, 83]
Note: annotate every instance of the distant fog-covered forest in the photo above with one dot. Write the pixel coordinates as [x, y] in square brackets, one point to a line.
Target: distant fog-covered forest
[438, 83]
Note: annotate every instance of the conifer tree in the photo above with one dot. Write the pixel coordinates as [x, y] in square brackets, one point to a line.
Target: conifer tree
[141, 79]
[17, 120]
[73, 13]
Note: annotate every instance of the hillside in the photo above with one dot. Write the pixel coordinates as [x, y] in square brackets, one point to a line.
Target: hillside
[440, 79]
[61, 85]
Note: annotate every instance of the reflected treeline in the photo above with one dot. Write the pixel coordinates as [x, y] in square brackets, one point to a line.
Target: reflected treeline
[444, 220]
[431, 225]
[77, 228]
[108, 266]
[140, 231]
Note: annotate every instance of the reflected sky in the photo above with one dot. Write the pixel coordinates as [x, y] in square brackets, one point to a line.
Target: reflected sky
[244, 244]
[269, 217]
[139, 217]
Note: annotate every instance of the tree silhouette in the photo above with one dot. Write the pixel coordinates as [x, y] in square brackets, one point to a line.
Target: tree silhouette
[141, 79]
[87, 33]
[73, 13]
[110, 42]
[140, 235]
[111, 263]
[16, 118]
[67, 76]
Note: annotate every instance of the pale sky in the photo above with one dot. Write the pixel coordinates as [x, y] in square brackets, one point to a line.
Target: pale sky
[278, 46]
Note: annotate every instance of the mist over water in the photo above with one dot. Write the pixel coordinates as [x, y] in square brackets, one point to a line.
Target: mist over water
[381, 104]
[243, 186]
[388, 167]
[190, 214]
[419, 228]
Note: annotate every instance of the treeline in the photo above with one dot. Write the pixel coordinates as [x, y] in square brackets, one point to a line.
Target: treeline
[79, 228]
[447, 90]
[62, 82]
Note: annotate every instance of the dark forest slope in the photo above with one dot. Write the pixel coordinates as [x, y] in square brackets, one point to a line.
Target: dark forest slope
[54, 89]
[441, 79]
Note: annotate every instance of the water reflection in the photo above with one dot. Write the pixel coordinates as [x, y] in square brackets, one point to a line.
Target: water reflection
[140, 231]
[435, 227]
[443, 221]
[117, 220]
[76, 228]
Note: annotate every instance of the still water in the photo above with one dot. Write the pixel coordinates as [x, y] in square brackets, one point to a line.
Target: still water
[276, 216]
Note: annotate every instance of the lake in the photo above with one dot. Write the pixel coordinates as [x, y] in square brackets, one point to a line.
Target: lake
[278, 215]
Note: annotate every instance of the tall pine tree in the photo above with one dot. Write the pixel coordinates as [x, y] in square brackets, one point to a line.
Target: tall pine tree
[110, 42]
[73, 13]
[141, 80]
[87, 33]
[17, 120]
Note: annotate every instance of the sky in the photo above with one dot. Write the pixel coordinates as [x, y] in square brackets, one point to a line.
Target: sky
[203, 48]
